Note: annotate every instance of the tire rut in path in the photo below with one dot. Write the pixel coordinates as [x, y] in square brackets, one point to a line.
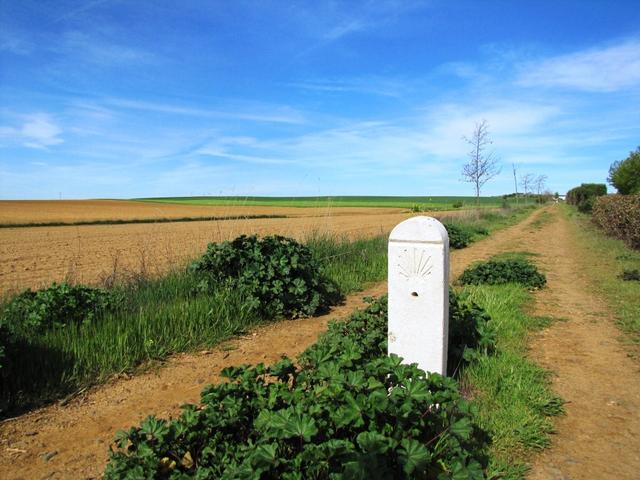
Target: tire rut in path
[75, 437]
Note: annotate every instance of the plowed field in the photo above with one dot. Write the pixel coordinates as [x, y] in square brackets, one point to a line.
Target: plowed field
[37, 256]
[69, 211]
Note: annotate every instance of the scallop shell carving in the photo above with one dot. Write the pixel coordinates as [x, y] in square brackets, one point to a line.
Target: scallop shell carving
[414, 264]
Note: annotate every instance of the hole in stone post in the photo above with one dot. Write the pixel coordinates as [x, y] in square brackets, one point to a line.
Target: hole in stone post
[414, 294]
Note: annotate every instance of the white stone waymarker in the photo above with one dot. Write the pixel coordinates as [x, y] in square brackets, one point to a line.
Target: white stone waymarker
[419, 293]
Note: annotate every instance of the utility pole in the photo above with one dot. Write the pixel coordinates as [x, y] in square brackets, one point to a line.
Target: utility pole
[515, 181]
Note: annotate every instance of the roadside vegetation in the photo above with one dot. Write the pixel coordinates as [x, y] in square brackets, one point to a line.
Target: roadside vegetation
[345, 408]
[608, 260]
[505, 269]
[512, 394]
[584, 196]
[611, 234]
[182, 311]
[619, 217]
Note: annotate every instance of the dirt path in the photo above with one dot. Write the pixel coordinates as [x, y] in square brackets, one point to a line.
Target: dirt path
[72, 441]
[599, 437]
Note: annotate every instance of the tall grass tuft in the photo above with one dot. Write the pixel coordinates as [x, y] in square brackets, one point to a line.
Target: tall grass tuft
[513, 394]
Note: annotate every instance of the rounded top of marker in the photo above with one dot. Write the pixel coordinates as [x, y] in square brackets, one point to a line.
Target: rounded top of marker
[420, 229]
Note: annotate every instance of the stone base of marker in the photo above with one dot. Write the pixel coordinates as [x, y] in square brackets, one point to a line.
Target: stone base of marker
[419, 293]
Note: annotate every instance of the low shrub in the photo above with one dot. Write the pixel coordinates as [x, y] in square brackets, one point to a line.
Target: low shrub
[457, 204]
[631, 275]
[619, 216]
[584, 195]
[498, 271]
[461, 235]
[348, 411]
[55, 307]
[470, 332]
[4, 340]
[278, 274]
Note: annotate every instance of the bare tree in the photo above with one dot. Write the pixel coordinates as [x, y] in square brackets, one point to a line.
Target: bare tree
[541, 181]
[483, 165]
[515, 181]
[527, 182]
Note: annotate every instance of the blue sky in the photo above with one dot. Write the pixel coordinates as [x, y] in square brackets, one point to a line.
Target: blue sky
[120, 99]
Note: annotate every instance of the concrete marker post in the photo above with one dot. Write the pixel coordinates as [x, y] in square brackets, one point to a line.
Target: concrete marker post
[419, 293]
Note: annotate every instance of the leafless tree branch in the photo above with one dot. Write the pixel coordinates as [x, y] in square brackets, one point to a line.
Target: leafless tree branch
[483, 164]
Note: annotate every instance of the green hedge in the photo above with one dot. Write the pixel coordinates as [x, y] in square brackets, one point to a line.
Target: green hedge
[619, 216]
[584, 195]
[348, 411]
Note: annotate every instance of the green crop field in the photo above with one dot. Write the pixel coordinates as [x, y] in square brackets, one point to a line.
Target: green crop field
[435, 203]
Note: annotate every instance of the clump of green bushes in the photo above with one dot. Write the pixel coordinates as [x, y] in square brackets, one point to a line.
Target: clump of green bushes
[461, 235]
[56, 307]
[277, 274]
[499, 271]
[347, 411]
[631, 275]
[619, 216]
[584, 196]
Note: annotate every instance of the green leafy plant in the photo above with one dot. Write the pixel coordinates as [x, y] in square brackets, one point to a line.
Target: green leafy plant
[55, 307]
[4, 339]
[461, 235]
[499, 271]
[631, 275]
[470, 332]
[279, 274]
[347, 411]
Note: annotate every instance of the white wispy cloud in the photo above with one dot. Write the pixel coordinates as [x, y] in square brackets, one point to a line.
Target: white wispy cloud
[341, 30]
[601, 69]
[84, 7]
[386, 87]
[81, 46]
[38, 130]
[13, 42]
[211, 151]
[272, 114]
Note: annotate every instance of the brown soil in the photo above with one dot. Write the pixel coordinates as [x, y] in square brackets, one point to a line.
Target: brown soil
[36, 256]
[598, 438]
[69, 211]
